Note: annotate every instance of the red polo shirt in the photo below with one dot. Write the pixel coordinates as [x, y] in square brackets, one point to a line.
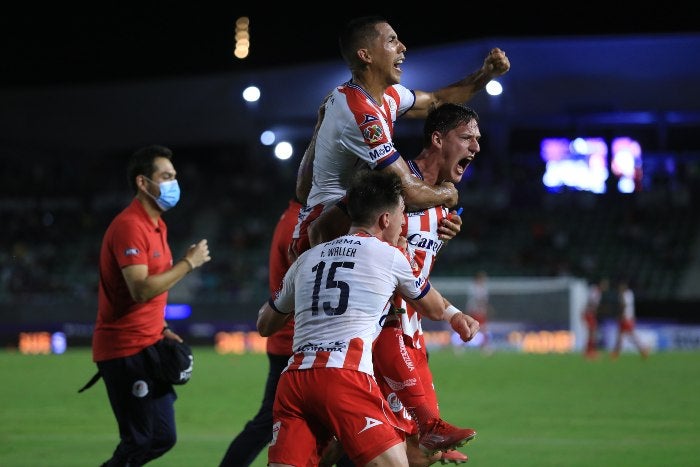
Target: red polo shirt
[123, 326]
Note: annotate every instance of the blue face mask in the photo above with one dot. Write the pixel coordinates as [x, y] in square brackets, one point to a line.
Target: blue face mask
[169, 194]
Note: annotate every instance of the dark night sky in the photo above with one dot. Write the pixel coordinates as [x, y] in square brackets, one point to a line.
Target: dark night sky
[63, 44]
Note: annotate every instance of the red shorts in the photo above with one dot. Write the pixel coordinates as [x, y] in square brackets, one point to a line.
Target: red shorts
[315, 404]
[591, 320]
[626, 325]
[403, 375]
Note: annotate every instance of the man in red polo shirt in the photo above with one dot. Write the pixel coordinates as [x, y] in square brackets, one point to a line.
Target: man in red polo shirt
[136, 273]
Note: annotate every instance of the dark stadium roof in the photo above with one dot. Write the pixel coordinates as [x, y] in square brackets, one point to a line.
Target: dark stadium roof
[100, 76]
[64, 42]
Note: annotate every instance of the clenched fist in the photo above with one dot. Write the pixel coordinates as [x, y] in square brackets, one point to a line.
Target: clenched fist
[496, 63]
[465, 326]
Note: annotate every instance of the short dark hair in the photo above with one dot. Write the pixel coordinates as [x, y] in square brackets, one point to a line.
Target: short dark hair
[446, 117]
[356, 34]
[141, 162]
[370, 193]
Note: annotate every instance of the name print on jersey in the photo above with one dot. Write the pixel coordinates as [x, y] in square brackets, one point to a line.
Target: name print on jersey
[338, 248]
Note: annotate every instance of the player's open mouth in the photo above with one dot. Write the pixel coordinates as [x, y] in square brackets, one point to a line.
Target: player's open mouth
[463, 163]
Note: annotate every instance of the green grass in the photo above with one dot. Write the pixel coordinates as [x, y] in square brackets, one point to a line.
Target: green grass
[529, 410]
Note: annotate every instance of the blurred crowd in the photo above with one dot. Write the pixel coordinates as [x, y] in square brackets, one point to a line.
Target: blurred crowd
[55, 207]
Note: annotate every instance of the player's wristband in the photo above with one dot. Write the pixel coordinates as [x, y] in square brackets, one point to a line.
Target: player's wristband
[449, 312]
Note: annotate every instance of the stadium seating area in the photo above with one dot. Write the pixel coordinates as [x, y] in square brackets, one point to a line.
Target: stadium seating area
[52, 227]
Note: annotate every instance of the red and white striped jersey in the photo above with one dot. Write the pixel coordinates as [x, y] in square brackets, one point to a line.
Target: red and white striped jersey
[338, 292]
[356, 131]
[421, 232]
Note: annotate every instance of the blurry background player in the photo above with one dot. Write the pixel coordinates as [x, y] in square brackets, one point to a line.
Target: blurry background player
[478, 306]
[626, 321]
[591, 311]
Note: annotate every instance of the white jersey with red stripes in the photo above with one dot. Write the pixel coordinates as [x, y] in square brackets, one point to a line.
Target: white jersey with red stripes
[478, 301]
[594, 297]
[356, 131]
[338, 292]
[627, 297]
[421, 232]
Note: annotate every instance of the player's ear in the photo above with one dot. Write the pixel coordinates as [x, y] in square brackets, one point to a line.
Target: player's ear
[364, 55]
[384, 220]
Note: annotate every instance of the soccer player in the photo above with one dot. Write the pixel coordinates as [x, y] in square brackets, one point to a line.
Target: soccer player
[479, 307]
[361, 114]
[596, 289]
[337, 292]
[626, 321]
[450, 143]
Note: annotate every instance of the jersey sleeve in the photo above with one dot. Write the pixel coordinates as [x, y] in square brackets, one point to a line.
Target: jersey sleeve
[406, 99]
[409, 285]
[283, 300]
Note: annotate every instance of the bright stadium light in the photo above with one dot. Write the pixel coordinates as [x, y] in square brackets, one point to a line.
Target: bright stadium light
[251, 94]
[284, 150]
[267, 137]
[494, 88]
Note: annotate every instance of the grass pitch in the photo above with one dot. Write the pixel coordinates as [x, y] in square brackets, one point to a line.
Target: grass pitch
[556, 410]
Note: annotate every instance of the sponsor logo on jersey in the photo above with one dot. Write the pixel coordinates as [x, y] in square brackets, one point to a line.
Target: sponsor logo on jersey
[337, 346]
[420, 281]
[131, 252]
[418, 241]
[381, 151]
[369, 119]
[393, 105]
[344, 240]
[370, 423]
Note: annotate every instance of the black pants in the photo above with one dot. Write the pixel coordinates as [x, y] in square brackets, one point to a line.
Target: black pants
[257, 433]
[144, 410]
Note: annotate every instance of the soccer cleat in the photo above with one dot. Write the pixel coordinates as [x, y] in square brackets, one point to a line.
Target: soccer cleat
[438, 435]
[453, 457]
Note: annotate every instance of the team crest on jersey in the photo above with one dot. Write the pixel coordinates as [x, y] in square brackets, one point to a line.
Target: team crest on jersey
[373, 133]
[394, 402]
